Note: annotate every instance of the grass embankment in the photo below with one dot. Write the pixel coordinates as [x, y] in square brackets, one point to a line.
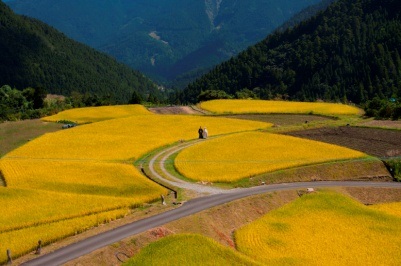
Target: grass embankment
[188, 249]
[244, 155]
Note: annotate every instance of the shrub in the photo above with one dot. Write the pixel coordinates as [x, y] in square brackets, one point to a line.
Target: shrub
[394, 166]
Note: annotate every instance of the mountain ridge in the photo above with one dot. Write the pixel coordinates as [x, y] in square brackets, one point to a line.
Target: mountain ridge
[349, 52]
[213, 29]
[34, 54]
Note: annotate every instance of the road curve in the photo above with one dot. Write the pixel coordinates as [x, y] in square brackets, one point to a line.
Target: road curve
[88, 245]
[174, 181]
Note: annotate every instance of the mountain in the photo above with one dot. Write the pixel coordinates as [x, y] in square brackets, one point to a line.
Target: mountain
[33, 54]
[349, 52]
[167, 40]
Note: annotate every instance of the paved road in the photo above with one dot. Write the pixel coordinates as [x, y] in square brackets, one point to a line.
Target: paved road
[88, 245]
[167, 178]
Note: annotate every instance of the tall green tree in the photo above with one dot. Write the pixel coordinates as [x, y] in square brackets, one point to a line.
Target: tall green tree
[350, 51]
[33, 54]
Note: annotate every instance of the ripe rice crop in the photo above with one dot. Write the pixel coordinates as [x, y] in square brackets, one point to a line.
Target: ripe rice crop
[96, 114]
[83, 171]
[323, 228]
[281, 107]
[80, 177]
[126, 138]
[393, 208]
[25, 240]
[188, 249]
[22, 208]
[233, 157]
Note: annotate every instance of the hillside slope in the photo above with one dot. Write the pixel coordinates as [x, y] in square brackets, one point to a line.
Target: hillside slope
[350, 52]
[32, 54]
[165, 39]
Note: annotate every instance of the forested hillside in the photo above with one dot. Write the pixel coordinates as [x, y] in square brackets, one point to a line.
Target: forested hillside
[349, 52]
[32, 54]
[171, 40]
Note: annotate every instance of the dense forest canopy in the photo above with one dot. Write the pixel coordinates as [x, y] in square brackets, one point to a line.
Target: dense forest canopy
[349, 52]
[33, 54]
[171, 41]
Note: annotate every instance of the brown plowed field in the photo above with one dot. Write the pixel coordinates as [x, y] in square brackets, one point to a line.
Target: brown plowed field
[373, 141]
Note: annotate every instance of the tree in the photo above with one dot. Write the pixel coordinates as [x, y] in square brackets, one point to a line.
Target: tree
[135, 98]
[213, 94]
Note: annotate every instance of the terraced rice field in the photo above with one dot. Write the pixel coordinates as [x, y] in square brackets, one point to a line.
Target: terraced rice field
[68, 181]
[96, 114]
[238, 156]
[323, 228]
[278, 107]
[76, 175]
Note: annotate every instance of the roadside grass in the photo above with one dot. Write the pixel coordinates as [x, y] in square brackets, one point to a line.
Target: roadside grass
[244, 155]
[188, 249]
[323, 228]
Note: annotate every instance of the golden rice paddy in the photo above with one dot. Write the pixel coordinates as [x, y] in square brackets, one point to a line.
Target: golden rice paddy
[393, 208]
[281, 107]
[96, 114]
[237, 156]
[127, 138]
[87, 171]
[323, 228]
[24, 240]
[65, 182]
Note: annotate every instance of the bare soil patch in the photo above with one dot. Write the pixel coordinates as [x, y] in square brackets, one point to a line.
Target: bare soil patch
[383, 123]
[280, 120]
[373, 141]
[15, 134]
[175, 110]
[370, 196]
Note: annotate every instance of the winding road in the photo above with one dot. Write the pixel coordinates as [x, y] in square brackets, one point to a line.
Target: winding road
[215, 197]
